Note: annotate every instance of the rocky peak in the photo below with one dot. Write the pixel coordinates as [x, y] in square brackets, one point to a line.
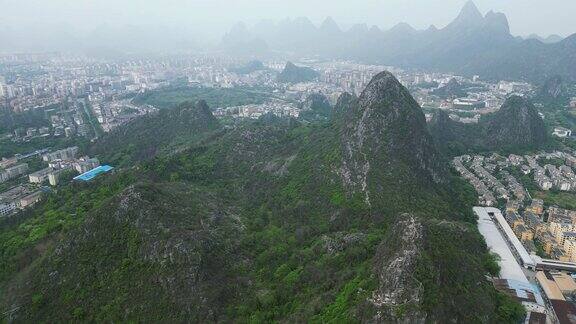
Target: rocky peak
[358, 29]
[385, 127]
[469, 16]
[516, 124]
[303, 21]
[188, 112]
[330, 26]
[316, 106]
[432, 28]
[402, 29]
[451, 89]
[239, 32]
[316, 101]
[497, 22]
[345, 103]
[295, 74]
[519, 105]
[384, 89]
[374, 31]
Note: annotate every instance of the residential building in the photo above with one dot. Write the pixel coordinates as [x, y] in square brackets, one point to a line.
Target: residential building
[536, 207]
[86, 164]
[30, 199]
[39, 177]
[54, 177]
[13, 172]
[65, 154]
[559, 228]
[524, 233]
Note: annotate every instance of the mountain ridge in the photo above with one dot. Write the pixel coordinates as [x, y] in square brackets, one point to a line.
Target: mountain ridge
[472, 44]
[516, 127]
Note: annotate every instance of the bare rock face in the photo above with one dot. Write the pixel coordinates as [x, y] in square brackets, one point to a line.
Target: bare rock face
[394, 264]
[553, 88]
[384, 136]
[341, 241]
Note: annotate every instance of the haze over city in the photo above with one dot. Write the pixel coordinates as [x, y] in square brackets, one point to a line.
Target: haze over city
[203, 22]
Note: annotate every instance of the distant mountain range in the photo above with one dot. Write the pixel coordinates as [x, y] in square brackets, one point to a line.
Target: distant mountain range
[471, 44]
[548, 40]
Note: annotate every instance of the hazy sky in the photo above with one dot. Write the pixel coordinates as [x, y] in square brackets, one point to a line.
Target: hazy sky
[216, 16]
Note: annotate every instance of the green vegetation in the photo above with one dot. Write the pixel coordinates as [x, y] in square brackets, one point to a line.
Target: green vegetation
[88, 115]
[295, 74]
[515, 128]
[215, 97]
[508, 310]
[10, 121]
[287, 222]
[251, 223]
[9, 148]
[565, 200]
[25, 237]
[144, 138]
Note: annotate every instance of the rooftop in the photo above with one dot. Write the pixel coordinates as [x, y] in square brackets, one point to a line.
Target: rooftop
[87, 176]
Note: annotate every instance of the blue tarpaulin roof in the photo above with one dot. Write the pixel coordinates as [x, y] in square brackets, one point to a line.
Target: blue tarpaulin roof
[87, 176]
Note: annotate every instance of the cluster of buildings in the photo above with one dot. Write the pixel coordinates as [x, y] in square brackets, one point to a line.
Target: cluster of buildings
[113, 113]
[514, 262]
[479, 171]
[559, 289]
[481, 97]
[32, 82]
[219, 74]
[65, 120]
[28, 190]
[277, 107]
[19, 198]
[10, 170]
[80, 94]
[556, 173]
[352, 77]
[548, 231]
[545, 287]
